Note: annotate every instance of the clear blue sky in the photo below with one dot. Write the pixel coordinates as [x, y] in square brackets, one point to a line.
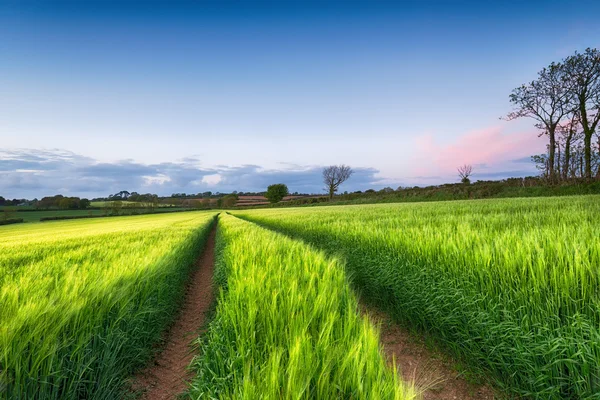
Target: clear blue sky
[101, 96]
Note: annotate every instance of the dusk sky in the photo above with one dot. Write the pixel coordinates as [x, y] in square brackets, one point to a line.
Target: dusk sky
[163, 97]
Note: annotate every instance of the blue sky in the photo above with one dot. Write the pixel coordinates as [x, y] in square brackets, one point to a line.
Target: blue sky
[97, 97]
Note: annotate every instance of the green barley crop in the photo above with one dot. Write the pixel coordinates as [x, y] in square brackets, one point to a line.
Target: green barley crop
[82, 302]
[287, 326]
[512, 285]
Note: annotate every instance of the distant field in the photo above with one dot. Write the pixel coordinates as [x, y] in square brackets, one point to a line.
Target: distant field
[34, 216]
[124, 203]
[16, 208]
[262, 200]
[108, 203]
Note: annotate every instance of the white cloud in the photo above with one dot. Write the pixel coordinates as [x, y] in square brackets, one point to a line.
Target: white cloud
[212, 180]
[159, 179]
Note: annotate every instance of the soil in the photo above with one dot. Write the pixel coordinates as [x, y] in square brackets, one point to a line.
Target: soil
[167, 375]
[434, 374]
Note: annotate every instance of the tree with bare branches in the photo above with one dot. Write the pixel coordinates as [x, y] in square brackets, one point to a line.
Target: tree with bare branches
[547, 100]
[334, 176]
[582, 72]
[465, 172]
[568, 137]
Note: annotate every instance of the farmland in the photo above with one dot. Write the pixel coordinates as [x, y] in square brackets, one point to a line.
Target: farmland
[509, 285]
[287, 326]
[83, 301]
[36, 215]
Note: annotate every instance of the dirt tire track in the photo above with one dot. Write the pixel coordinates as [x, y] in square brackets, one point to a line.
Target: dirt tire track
[167, 374]
[432, 372]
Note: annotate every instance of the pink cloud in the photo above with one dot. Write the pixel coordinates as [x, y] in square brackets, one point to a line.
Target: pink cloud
[490, 146]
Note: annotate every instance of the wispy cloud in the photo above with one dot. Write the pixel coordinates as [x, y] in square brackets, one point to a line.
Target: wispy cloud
[36, 173]
[492, 152]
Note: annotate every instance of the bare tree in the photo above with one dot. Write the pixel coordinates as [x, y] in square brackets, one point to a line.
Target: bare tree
[582, 71]
[334, 176]
[465, 172]
[547, 100]
[568, 136]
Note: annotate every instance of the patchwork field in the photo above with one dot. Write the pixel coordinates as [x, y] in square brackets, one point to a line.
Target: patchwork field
[511, 288]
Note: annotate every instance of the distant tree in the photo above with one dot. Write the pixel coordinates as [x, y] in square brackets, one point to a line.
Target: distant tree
[150, 201]
[50, 201]
[228, 201]
[541, 164]
[84, 203]
[464, 172]
[116, 206]
[69, 203]
[275, 193]
[8, 213]
[334, 176]
[2, 201]
[195, 203]
[207, 194]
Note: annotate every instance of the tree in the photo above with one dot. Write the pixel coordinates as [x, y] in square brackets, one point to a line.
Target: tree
[582, 72]
[149, 201]
[334, 176]
[567, 138]
[8, 213]
[84, 203]
[547, 100]
[275, 193]
[116, 206]
[465, 172]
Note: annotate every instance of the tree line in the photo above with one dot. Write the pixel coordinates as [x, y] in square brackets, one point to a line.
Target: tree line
[564, 102]
[62, 202]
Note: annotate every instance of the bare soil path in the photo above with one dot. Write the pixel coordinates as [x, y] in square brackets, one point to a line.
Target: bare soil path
[433, 373]
[167, 375]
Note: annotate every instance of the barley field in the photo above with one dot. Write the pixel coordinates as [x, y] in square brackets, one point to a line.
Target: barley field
[82, 302]
[511, 286]
[287, 326]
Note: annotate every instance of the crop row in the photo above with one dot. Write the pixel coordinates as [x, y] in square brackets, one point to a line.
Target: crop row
[82, 302]
[287, 326]
[513, 286]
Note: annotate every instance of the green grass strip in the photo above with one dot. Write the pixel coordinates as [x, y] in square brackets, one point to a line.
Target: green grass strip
[82, 302]
[512, 286]
[287, 326]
